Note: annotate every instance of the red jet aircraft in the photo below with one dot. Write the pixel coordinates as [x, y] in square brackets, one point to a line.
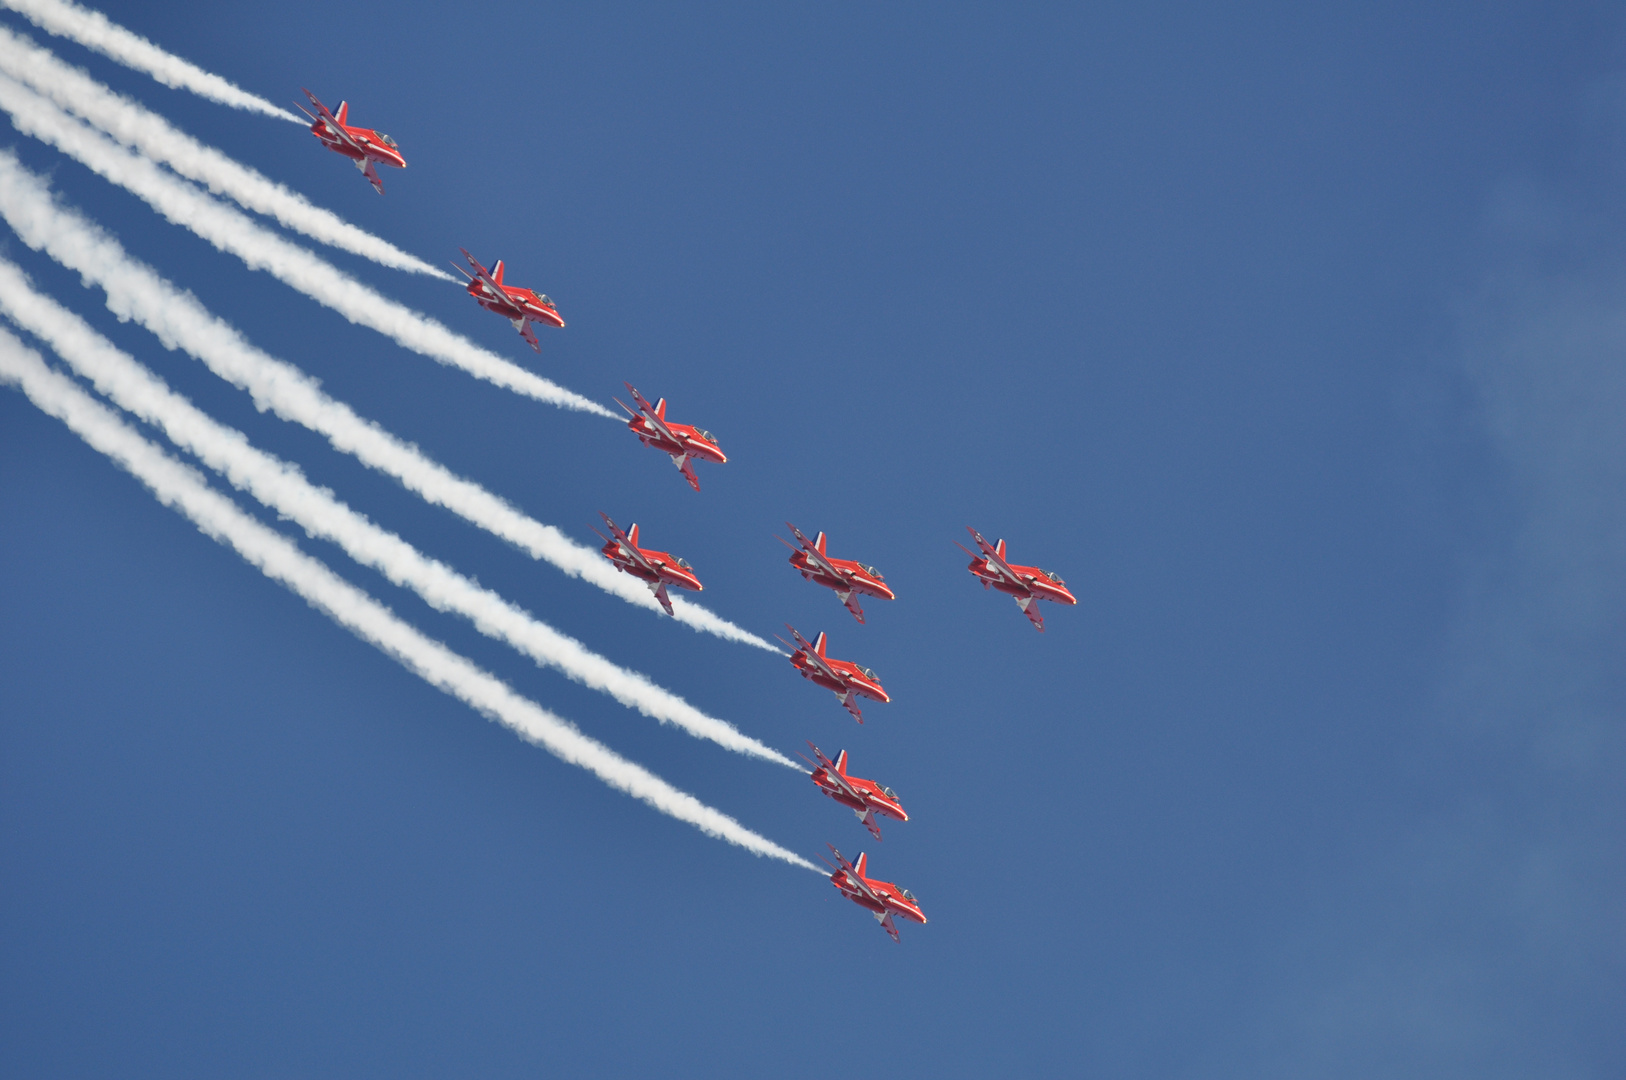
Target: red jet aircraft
[1026, 583]
[847, 577]
[843, 679]
[522, 307]
[656, 569]
[363, 146]
[865, 798]
[883, 899]
[681, 442]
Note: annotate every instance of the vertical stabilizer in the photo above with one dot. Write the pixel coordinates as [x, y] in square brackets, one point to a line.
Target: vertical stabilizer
[660, 408]
[343, 114]
[818, 643]
[818, 544]
[496, 275]
[862, 864]
[999, 549]
[841, 763]
[632, 534]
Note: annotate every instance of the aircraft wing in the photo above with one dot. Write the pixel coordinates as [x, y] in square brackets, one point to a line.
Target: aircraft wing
[628, 548]
[338, 131]
[834, 776]
[890, 927]
[484, 276]
[654, 421]
[813, 553]
[994, 559]
[370, 171]
[529, 335]
[812, 655]
[854, 879]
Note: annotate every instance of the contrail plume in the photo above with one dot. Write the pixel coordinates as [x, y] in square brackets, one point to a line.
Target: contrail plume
[182, 489]
[98, 33]
[282, 488]
[139, 128]
[233, 232]
[136, 291]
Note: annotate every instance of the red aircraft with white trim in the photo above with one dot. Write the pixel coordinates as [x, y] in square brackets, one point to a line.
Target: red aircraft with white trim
[681, 442]
[865, 798]
[1027, 584]
[657, 569]
[847, 577]
[842, 678]
[363, 146]
[883, 899]
[522, 307]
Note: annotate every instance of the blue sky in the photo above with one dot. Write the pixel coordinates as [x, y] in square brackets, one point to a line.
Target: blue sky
[1289, 338]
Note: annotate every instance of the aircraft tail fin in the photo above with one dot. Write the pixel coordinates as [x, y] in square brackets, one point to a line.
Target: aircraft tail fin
[632, 535]
[343, 115]
[818, 544]
[861, 864]
[999, 549]
[818, 643]
[841, 763]
[496, 273]
[660, 408]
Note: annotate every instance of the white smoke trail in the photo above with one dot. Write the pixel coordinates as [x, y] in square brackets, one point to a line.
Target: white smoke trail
[235, 233]
[182, 489]
[135, 291]
[282, 488]
[144, 131]
[98, 33]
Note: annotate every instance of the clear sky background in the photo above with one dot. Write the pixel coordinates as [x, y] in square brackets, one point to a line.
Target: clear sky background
[1292, 338]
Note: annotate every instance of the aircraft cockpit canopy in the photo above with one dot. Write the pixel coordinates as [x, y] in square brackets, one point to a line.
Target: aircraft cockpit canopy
[871, 571]
[708, 436]
[542, 298]
[1053, 577]
[889, 793]
[386, 140]
[909, 896]
[684, 563]
[868, 674]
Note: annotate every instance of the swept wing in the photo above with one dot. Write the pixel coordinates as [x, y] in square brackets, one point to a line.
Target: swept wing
[327, 119]
[997, 561]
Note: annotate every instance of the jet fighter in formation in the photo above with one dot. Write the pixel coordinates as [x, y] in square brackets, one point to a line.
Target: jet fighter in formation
[865, 798]
[1027, 584]
[882, 899]
[682, 442]
[847, 577]
[846, 680]
[657, 569]
[522, 307]
[363, 146]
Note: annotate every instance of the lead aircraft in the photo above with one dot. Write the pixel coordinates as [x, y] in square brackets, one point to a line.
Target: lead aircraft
[657, 569]
[363, 146]
[847, 577]
[865, 798]
[842, 678]
[1027, 584]
[681, 442]
[522, 307]
[883, 899]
